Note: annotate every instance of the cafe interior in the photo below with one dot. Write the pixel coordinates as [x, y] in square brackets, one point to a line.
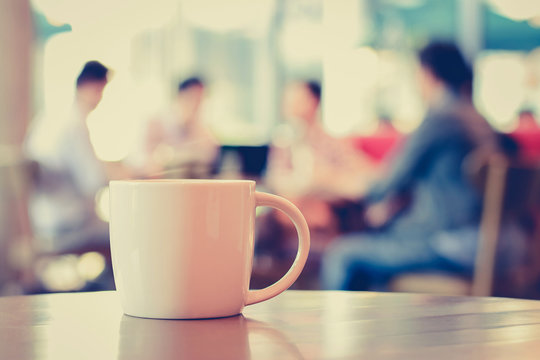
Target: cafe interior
[407, 132]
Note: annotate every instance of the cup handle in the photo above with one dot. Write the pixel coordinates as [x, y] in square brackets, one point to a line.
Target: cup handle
[263, 199]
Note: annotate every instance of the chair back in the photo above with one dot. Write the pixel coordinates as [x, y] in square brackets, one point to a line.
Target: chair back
[511, 192]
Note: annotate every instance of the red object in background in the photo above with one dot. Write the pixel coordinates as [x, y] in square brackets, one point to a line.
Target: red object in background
[527, 135]
[379, 144]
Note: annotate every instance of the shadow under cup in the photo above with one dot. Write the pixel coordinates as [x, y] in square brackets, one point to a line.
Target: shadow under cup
[183, 249]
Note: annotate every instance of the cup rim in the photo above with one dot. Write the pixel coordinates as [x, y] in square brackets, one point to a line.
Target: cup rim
[180, 182]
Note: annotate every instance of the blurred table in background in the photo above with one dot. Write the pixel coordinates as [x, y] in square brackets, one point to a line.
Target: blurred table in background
[294, 325]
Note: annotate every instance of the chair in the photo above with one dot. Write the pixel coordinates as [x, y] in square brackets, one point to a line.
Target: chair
[511, 191]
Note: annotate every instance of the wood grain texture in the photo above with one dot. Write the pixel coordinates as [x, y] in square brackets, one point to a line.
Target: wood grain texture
[294, 325]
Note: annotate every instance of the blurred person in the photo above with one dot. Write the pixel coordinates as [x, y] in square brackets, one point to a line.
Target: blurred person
[439, 228]
[312, 169]
[70, 175]
[307, 161]
[177, 141]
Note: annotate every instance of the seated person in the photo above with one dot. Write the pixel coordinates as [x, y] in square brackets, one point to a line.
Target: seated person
[438, 231]
[305, 160]
[312, 169]
[62, 208]
[177, 143]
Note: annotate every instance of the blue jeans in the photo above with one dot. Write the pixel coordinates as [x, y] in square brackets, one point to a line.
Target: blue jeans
[369, 261]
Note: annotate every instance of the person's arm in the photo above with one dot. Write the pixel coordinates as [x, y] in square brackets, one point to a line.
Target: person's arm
[154, 135]
[412, 156]
[87, 171]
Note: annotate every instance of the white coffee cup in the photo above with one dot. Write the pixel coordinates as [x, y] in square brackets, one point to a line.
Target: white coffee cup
[183, 249]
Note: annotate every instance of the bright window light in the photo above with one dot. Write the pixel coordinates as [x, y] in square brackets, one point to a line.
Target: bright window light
[350, 78]
[109, 17]
[500, 87]
[516, 9]
[221, 16]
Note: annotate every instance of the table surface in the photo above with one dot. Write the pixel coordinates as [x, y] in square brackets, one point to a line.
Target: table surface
[294, 325]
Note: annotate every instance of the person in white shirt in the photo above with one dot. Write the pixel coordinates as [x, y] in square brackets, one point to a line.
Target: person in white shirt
[62, 208]
[305, 160]
[177, 143]
[311, 168]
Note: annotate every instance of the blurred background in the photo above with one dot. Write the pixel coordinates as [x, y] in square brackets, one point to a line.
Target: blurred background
[311, 98]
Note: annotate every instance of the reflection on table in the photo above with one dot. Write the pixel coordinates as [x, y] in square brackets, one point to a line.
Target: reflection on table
[294, 325]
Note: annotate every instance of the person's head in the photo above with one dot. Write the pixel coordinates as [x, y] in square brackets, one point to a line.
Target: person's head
[190, 95]
[90, 84]
[301, 100]
[444, 67]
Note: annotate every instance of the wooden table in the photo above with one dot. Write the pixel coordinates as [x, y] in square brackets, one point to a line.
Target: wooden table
[294, 325]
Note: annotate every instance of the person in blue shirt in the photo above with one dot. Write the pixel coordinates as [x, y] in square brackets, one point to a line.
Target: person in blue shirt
[438, 230]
